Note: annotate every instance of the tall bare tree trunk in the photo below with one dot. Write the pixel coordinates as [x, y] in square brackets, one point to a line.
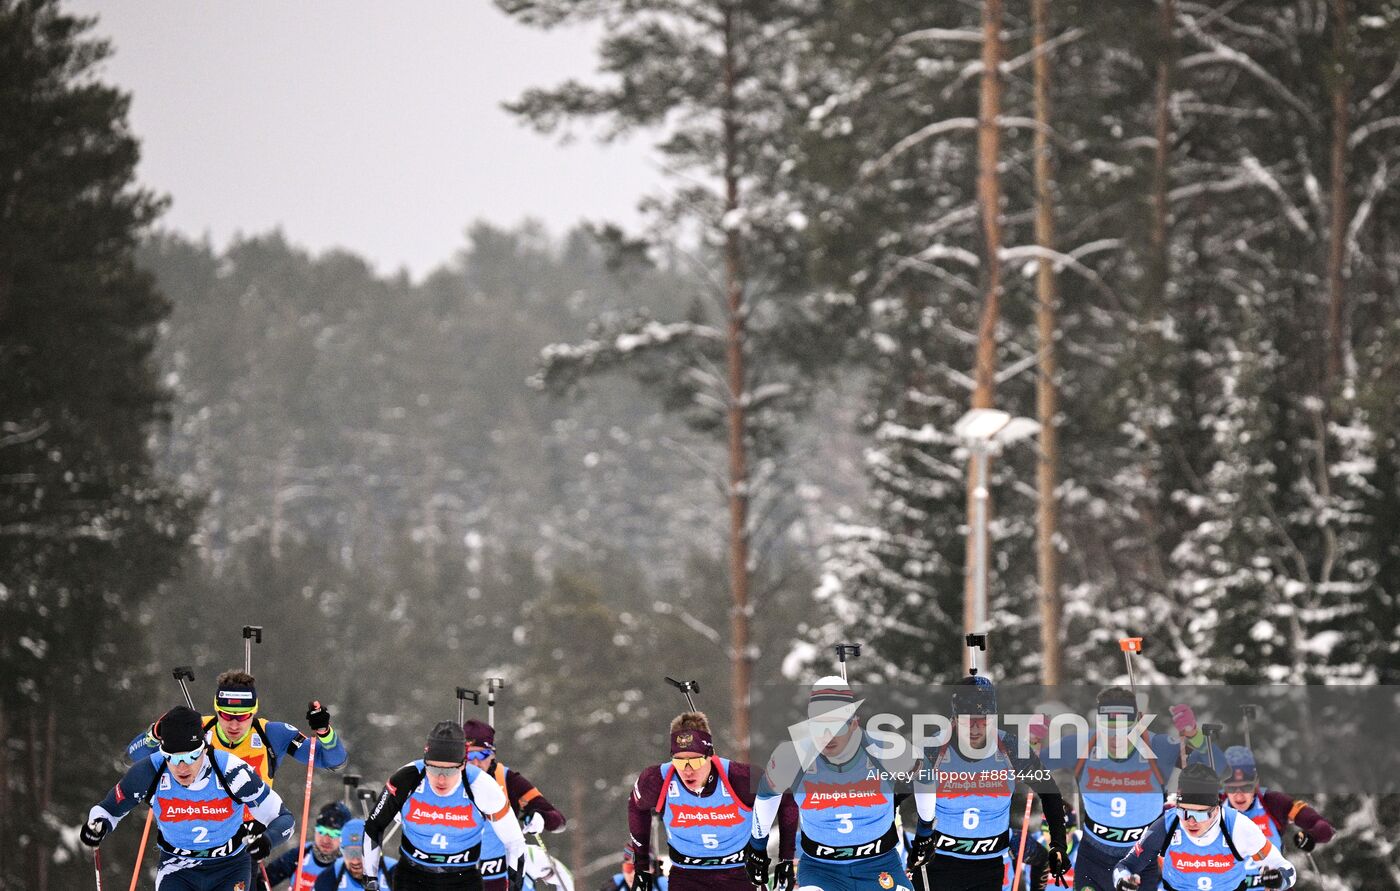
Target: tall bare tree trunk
[1047, 471]
[1336, 252]
[1160, 261]
[989, 198]
[738, 451]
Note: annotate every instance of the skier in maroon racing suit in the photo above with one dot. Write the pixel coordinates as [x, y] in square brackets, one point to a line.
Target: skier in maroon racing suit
[706, 803]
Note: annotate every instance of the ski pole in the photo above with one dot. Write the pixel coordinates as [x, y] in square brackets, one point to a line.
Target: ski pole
[463, 694]
[1210, 730]
[686, 688]
[251, 633]
[842, 652]
[975, 642]
[183, 674]
[553, 867]
[141, 851]
[97, 866]
[1251, 713]
[305, 806]
[367, 798]
[492, 685]
[1021, 849]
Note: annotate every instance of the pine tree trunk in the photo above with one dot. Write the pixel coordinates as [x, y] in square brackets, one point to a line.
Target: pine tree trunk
[989, 199]
[1336, 253]
[738, 453]
[1160, 260]
[1046, 389]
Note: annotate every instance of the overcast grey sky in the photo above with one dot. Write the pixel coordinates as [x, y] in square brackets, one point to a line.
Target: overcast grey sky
[369, 124]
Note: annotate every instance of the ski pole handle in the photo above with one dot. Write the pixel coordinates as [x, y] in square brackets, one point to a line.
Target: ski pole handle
[251, 633]
[182, 674]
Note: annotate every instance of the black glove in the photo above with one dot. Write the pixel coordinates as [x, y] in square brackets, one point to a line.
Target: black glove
[258, 847]
[921, 851]
[1304, 841]
[1058, 862]
[370, 883]
[785, 876]
[1131, 883]
[1270, 877]
[318, 718]
[515, 878]
[94, 831]
[642, 880]
[756, 865]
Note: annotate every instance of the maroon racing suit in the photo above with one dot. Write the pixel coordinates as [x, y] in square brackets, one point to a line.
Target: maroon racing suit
[524, 799]
[650, 788]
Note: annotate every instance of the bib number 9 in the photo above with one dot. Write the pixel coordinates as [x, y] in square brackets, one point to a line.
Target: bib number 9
[1118, 806]
[1204, 884]
[971, 817]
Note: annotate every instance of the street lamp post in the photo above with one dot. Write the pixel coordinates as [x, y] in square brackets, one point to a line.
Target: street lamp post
[985, 432]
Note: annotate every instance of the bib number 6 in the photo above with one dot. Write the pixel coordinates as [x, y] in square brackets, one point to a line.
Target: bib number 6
[971, 817]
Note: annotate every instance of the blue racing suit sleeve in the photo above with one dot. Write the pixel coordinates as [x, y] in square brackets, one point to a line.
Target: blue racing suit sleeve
[144, 745]
[1145, 852]
[287, 740]
[129, 791]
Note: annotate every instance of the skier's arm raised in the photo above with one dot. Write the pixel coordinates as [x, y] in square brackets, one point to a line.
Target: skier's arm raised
[287, 739]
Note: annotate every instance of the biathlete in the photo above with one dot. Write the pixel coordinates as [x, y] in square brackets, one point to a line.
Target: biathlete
[1204, 845]
[706, 803]
[444, 805]
[197, 795]
[531, 808]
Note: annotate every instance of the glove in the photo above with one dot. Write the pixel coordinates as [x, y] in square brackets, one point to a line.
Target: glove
[1128, 883]
[1270, 877]
[515, 878]
[1304, 841]
[94, 831]
[756, 865]
[921, 851]
[642, 881]
[318, 718]
[1058, 862]
[258, 847]
[1038, 731]
[785, 876]
[1184, 719]
[370, 883]
[533, 824]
